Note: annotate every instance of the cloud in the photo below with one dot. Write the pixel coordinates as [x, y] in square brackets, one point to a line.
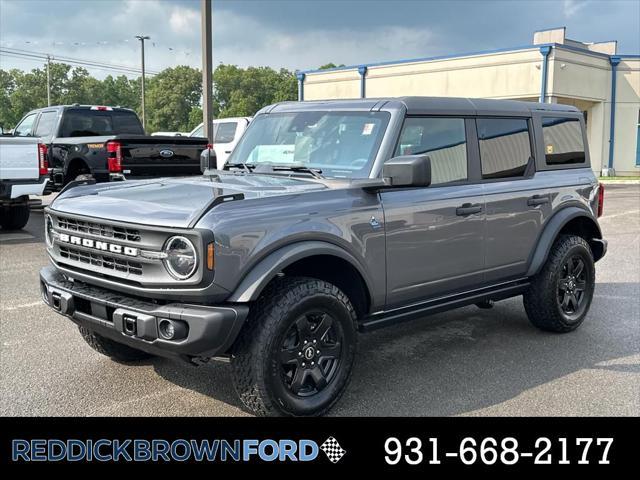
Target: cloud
[571, 7]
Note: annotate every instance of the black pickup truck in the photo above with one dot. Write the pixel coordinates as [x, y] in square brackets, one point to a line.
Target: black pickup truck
[107, 144]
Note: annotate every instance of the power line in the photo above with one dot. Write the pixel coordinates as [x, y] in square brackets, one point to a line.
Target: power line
[72, 60]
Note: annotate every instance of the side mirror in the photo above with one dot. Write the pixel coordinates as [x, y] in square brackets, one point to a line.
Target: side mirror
[208, 159]
[408, 171]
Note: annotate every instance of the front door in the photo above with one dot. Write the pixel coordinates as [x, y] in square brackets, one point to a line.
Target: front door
[435, 235]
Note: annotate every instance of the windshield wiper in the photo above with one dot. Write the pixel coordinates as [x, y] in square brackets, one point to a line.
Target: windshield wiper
[247, 167]
[315, 172]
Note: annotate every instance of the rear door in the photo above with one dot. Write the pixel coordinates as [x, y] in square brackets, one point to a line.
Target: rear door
[435, 235]
[518, 201]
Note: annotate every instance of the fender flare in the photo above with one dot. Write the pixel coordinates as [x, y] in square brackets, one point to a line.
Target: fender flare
[551, 231]
[265, 270]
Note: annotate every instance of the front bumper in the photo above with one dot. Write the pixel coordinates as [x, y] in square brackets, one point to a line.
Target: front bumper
[134, 322]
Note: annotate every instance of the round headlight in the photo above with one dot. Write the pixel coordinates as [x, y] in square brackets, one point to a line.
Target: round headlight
[48, 231]
[181, 260]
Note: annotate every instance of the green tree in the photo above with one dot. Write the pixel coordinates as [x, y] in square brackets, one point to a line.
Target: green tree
[327, 66]
[172, 94]
[240, 92]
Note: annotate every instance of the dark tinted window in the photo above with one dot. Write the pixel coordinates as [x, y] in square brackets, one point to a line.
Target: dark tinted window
[24, 128]
[88, 123]
[563, 143]
[225, 132]
[505, 148]
[443, 139]
[46, 124]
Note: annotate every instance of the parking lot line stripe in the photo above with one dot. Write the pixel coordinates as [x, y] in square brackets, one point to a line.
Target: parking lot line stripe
[18, 307]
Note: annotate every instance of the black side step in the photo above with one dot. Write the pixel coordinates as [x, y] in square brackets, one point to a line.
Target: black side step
[391, 317]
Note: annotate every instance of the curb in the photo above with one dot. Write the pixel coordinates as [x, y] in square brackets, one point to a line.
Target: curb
[619, 182]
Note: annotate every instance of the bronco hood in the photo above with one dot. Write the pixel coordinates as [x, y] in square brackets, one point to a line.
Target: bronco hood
[172, 202]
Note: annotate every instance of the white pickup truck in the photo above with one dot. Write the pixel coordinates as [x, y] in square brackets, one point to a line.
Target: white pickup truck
[23, 172]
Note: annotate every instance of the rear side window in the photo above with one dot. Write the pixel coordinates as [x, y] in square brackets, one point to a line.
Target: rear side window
[92, 123]
[563, 144]
[46, 124]
[225, 132]
[444, 140]
[505, 147]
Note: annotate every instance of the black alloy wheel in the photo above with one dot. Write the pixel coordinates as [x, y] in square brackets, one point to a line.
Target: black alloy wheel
[310, 353]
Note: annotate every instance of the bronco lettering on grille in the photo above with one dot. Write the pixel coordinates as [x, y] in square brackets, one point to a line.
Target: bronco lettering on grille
[98, 245]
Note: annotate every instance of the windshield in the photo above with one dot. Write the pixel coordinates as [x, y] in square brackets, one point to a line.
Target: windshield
[340, 144]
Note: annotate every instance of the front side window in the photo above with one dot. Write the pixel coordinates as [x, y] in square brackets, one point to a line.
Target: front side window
[198, 132]
[25, 127]
[46, 124]
[224, 132]
[505, 147]
[341, 144]
[563, 144]
[443, 139]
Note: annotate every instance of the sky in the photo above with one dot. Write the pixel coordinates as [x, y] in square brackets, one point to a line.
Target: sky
[298, 35]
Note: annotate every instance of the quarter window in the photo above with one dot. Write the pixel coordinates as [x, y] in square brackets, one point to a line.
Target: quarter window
[563, 144]
[505, 147]
[444, 140]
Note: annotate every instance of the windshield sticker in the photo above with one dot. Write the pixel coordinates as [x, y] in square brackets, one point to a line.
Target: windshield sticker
[368, 128]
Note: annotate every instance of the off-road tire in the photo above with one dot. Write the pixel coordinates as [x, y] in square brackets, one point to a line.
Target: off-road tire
[541, 299]
[114, 350]
[14, 217]
[256, 372]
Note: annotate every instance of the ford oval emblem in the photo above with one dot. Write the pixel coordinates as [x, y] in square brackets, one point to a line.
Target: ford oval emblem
[166, 153]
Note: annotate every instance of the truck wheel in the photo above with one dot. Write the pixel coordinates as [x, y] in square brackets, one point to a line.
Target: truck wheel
[14, 217]
[295, 354]
[560, 294]
[117, 351]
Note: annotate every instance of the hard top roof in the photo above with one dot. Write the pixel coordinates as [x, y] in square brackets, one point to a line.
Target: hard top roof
[426, 106]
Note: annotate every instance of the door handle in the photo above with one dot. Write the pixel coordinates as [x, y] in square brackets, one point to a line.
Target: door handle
[228, 151]
[538, 200]
[468, 209]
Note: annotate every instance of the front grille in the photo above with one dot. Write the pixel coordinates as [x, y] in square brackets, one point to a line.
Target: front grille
[99, 260]
[99, 229]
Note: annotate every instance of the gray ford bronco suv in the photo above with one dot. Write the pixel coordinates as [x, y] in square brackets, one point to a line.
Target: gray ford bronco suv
[332, 218]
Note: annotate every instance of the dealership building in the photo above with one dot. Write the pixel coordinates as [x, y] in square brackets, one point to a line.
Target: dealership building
[554, 69]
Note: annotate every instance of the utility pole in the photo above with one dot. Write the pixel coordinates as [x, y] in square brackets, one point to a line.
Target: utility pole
[207, 68]
[142, 38]
[48, 80]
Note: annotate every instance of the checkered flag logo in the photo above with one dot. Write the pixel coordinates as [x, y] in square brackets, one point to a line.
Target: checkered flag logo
[333, 450]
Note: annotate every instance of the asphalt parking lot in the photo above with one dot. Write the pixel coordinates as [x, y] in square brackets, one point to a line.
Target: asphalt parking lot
[464, 362]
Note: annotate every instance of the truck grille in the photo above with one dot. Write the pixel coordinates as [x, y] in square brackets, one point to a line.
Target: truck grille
[99, 260]
[99, 229]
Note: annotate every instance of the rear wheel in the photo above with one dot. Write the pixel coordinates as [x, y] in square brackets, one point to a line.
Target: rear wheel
[14, 217]
[560, 295]
[114, 350]
[295, 355]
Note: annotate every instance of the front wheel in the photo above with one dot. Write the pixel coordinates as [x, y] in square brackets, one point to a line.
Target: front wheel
[560, 295]
[295, 355]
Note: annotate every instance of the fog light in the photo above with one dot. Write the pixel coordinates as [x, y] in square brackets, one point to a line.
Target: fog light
[172, 329]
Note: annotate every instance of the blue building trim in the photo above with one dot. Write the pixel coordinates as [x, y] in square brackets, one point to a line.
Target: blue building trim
[615, 60]
[300, 76]
[362, 70]
[557, 46]
[545, 51]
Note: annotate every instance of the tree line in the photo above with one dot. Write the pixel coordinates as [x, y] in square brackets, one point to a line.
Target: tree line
[173, 97]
